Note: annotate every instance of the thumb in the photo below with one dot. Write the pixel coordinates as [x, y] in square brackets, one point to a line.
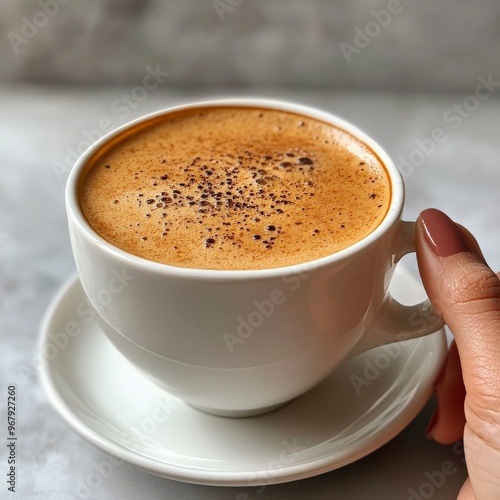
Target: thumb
[466, 293]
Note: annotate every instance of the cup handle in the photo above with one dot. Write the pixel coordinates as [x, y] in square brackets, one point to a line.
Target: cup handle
[397, 322]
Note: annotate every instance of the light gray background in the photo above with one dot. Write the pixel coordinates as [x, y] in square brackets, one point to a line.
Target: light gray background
[426, 46]
[58, 87]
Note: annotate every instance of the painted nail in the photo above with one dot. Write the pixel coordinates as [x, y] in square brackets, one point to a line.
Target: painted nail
[440, 377]
[431, 425]
[442, 234]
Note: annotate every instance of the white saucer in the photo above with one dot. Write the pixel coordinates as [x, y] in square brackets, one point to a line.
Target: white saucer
[361, 406]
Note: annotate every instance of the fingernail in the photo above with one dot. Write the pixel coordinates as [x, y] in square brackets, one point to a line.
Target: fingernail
[442, 234]
[432, 425]
[440, 376]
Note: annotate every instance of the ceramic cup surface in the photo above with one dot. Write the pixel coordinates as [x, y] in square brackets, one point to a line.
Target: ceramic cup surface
[239, 343]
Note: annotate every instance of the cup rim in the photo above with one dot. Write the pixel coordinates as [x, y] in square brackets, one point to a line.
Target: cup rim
[392, 216]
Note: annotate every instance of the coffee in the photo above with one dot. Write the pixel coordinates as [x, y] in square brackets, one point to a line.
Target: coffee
[229, 188]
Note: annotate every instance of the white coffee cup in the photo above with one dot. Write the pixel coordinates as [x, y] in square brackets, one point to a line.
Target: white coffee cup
[239, 343]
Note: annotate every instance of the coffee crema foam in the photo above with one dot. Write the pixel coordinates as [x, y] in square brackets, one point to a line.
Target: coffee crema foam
[234, 189]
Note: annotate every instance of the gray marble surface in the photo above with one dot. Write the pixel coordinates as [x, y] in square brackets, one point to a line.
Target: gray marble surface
[396, 44]
[41, 127]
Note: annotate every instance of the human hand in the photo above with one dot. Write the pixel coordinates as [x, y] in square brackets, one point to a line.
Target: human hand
[466, 293]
